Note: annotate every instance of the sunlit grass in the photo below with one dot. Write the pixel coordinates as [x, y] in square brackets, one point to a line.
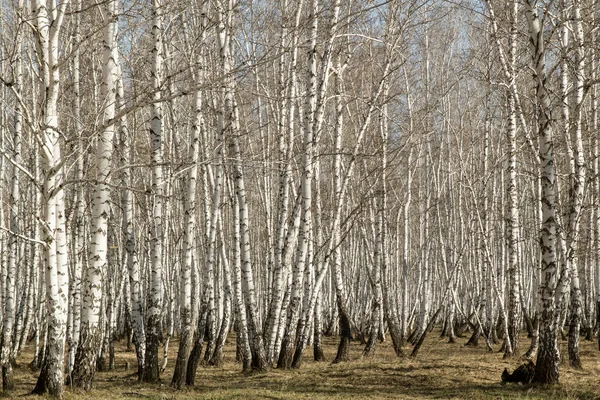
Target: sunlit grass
[441, 371]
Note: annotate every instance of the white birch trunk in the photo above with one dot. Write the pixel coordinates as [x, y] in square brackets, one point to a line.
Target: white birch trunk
[8, 316]
[255, 336]
[596, 184]
[313, 120]
[387, 287]
[286, 141]
[217, 356]
[48, 21]
[155, 293]
[578, 175]
[340, 290]
[511, 344]
[131, 254]
[91, 330]
[293, 313]
[254, 329]
[546, 370]
[240, 306]
[79, 240]
[186, 333]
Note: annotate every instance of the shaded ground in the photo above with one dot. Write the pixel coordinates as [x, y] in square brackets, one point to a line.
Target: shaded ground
[441, 371]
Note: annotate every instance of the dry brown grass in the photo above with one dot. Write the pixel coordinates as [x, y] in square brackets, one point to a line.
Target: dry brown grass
[441, 371]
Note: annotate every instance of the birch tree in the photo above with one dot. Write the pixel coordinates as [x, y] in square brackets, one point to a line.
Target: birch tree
[129, 235]
[79, 257]
[155, 293]
[187, 314]
[546, 370]
[255, 336]
[90, 336]
[287, 347]
[285, 145]
[10, 284]
[49, 20]
[512, 220]
[578, 175]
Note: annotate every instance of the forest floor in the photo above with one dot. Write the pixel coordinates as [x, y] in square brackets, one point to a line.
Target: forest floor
[441, 371]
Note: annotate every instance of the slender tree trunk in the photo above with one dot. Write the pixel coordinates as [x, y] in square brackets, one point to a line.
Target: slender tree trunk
[596, 183]
[9, 312]
[217, 356]
[375, 276]
[390, 314]
[576, 192]
[286, 141]
[512, 220]
[255, 336]
[404, 314]
[243, 342]
[186, 314]
[259, 361]
[300, 263]
[318, 330]
[131, 254]
[340, 291]
[79, 240]
[155, 293]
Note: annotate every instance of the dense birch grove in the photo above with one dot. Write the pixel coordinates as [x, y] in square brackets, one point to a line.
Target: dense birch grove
[275, 171]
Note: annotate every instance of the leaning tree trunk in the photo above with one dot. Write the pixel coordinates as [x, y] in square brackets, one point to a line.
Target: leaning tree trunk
[232, 120]
[300, 262]
[315, 117]
[217, 356]
[285, 145]
[255, 336]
